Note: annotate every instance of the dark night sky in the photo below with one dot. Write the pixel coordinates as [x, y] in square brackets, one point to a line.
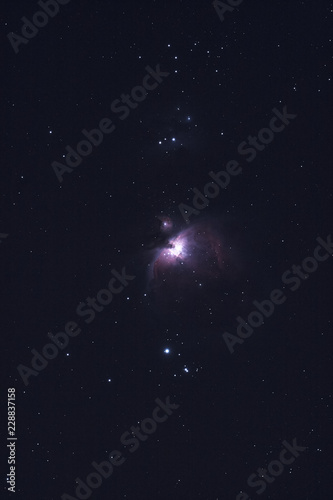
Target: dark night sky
[164, 334]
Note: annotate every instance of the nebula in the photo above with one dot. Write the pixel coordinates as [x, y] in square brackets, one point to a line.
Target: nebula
[166, 224]
[194, 257]
[196, 275]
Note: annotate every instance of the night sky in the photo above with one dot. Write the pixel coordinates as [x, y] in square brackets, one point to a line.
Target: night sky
[166, 244]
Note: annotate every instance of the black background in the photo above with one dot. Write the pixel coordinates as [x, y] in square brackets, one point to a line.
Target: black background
[65, 238]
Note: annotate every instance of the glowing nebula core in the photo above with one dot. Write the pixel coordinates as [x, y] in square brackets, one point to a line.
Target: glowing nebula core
[177, 249]
[194, 253]
[195, 271]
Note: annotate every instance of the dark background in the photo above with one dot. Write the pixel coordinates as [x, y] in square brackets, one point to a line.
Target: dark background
[64, 240]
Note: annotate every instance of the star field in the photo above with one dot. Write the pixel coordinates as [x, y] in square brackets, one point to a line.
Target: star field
[184, 277]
